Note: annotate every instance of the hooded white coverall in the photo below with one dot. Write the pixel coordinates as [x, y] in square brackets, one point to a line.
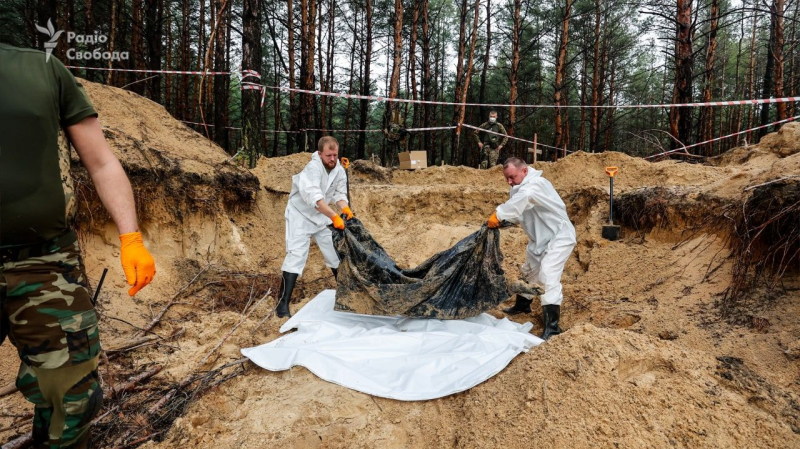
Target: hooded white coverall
[304, 221]
[535, 204]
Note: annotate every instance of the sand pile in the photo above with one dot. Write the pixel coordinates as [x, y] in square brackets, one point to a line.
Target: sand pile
[600, 387]
[171, 166]
[781, 144]
[646, 361]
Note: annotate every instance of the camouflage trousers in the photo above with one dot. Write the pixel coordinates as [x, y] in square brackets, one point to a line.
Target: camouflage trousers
[48, 315]
[489, 156]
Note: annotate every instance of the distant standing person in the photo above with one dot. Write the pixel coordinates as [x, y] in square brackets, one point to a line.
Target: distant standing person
[536, 205]
[491, 142]
[45, 307]
[308, 214]
[399, 136]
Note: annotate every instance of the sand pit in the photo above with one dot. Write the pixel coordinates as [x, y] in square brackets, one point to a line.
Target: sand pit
[648, 360]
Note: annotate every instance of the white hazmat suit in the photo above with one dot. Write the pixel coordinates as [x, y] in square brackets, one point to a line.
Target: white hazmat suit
[535, 205]
[304, 221]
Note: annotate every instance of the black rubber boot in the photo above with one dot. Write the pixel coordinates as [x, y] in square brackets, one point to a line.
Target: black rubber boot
[522, 305]
[287, 285]
[550, 316]
[335, 273]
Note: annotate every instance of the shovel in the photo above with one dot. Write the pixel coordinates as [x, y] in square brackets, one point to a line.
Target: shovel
[611, 231]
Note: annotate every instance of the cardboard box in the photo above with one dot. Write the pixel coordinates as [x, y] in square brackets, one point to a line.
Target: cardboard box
[412, 160]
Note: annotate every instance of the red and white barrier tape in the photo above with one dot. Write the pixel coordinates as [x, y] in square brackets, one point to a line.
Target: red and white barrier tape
[327, 130]
[550, 106]
[239, 129]
[170, 72]
[248, 72]
[434, 128]
[724, 137]
[343, 130]
[449, 103]
[514, 138]
[248, 85]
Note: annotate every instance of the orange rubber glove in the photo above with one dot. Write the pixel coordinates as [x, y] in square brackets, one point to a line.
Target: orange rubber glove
[338, 223]
[137, 263]
[346, 210]
[493, 222]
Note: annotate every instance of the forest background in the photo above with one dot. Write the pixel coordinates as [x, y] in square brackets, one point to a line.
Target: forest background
[511, 52]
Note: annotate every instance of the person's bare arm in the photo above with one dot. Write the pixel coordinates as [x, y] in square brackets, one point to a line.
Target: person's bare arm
[106, 172]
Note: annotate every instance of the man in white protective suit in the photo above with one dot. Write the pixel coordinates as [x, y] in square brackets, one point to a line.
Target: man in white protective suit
[308, 214]
[535, 204]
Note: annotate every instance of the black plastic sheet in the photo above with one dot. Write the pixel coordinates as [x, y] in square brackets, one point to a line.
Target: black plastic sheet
[460, 282]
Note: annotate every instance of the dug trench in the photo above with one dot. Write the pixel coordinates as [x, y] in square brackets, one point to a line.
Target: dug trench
[656, 350]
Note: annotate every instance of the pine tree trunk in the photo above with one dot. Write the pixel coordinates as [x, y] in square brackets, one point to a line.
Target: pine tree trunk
[365, 86]
[397, 40]
[276, 104]
[201, 46]
[308, 25]
[751, 90]
[468, 77]
[791, 107]
[228, 41]
[137, 46]
[442, 110]
[412, 65]
[350, 83]
[154, 16]
[221, 82]
[515, 59]
[584, 85]
[769, 72]
[594, 124]
[681, 118]
[610, 113]
[426, 82]
[168, 101]
[293, 109]
[462, 47]
[251, 99]
[707, 114]
[739, 85]
[112, 40]
[319, 112]
[560, 70]
[485, 70]
[777, 49]
[183, 94]
[331, 60]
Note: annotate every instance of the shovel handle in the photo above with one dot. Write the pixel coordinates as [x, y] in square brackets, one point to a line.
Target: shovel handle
[611, 171]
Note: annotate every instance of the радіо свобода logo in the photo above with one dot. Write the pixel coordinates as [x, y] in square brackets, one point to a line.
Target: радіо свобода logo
[50, 31]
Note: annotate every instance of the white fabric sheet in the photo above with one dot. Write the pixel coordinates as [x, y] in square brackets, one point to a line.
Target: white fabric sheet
[399, 358]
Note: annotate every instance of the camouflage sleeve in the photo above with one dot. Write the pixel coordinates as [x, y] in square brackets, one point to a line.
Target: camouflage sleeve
[476, 133]
[505, 135]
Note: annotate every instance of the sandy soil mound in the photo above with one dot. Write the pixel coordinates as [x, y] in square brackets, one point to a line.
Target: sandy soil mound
[597, 388]
[781, 144]
[170, 165]
[646, 360]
